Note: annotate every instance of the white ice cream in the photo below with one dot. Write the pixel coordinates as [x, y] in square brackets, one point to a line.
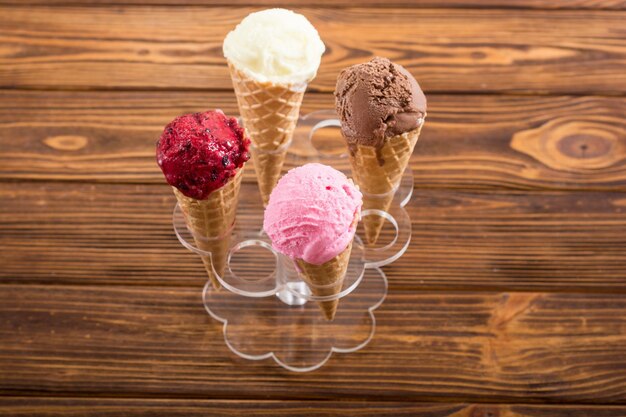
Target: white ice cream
[276, 46]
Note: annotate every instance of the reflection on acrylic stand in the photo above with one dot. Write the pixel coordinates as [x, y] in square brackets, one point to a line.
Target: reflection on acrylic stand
[266, 309]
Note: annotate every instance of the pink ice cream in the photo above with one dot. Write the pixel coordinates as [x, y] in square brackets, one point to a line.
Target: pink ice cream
[312, 213]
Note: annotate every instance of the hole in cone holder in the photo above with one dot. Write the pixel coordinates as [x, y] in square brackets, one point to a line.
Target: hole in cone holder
[243, 236]
[354, 274]
[401, 193]
[323, 130]
[398, 240]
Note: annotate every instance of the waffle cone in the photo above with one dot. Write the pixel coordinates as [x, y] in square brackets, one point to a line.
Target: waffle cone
[326, 279]
[268, 167]
[211, 221]
[270, 114]
[378, 175]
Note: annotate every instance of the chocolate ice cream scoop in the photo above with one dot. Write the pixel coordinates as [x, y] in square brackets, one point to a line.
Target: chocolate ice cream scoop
[377, 100]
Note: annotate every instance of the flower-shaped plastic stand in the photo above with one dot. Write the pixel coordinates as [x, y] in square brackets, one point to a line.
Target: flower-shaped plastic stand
[266, 309]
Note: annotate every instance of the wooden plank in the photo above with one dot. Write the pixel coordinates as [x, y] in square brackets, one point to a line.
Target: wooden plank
[65, 233]
[223, 408]
[479, 142]
[530, 4]
[109, 407]
[458, 347]
[450, 50]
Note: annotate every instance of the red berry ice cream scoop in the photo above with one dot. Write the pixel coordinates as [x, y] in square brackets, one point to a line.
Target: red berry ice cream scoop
[198, 153]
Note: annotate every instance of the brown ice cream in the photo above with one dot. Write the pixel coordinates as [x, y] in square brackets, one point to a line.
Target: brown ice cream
[377, 100]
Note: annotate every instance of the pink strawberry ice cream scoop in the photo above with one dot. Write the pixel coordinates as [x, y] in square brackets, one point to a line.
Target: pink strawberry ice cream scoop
[198, 153]
[312, 213]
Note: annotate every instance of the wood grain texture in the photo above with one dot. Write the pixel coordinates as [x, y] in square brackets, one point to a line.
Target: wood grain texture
[511, 292]
[446, 49]
[109, 407]
[458, 347]
[478, 142]
[471, 4]
[65, 233]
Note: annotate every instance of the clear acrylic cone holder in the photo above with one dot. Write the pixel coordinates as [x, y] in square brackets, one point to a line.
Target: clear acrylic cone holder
[266, 308]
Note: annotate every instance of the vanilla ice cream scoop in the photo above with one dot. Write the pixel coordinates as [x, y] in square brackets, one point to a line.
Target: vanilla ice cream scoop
[276, 46]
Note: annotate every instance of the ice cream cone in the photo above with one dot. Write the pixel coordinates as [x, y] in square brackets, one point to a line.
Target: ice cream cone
[210, 221]
[311, 218]
[378, 174]
[270, 113]
[268, 165]
[326, 279]
[382, 110]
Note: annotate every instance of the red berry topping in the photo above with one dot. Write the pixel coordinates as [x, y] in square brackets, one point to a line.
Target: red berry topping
[198, 153]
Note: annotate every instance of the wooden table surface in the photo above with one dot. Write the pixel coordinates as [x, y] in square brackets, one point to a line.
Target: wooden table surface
[510, 301]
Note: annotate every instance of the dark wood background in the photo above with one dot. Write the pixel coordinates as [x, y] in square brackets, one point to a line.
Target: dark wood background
[511, 300]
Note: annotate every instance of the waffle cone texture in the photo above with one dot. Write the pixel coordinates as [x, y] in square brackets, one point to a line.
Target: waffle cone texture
[270, 113]
[326, 279]
[210, 221]
[378, 175]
